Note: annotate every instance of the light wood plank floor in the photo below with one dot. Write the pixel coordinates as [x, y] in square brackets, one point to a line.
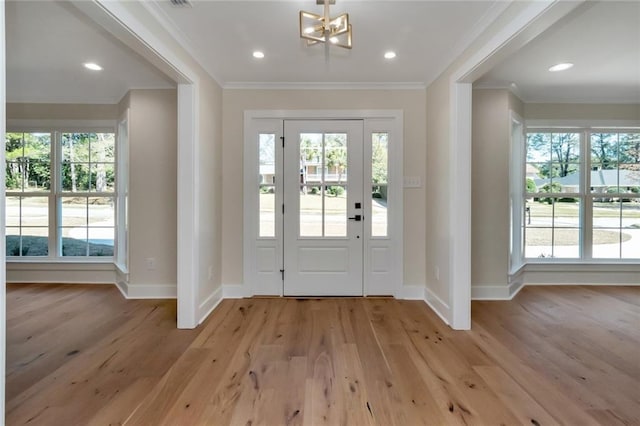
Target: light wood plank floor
[81, 355]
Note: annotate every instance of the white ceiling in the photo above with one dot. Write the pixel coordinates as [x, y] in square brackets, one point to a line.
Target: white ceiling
[602, 40]
[426, 35]
[47, 43]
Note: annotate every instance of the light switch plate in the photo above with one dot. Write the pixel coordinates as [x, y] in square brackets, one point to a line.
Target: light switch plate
[412, 182]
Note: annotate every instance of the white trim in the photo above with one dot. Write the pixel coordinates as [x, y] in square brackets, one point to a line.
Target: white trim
[517, 32]
[412, 292]
[496, 292]
[460, 205]
[485, 21]
[60, 272]
[322, 114]
[235, 291]
[210, 303]
[249, 85]
[151, 291]
[134, 33]
[174, 31]
[3, 287]
[123, 287]
[437, 305]
[188, 209]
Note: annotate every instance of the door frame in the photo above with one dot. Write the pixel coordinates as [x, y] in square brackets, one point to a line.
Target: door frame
[393, 120]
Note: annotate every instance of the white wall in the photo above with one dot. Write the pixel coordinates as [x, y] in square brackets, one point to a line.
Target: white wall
[236, 101]
[211, 190]
[152, 187]
[490, 219]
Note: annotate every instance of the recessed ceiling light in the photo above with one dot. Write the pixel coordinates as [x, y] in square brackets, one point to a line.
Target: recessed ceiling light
[389, 55]
[561, 67]
[258, 54]
[92, 66]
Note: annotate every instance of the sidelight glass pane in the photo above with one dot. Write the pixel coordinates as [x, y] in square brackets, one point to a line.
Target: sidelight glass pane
[379, 180]
[267, 211]
[267, 157]
[379, 214]
[335, 211]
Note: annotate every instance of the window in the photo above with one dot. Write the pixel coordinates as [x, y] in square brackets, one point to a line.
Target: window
[582, 195]
[60, 194]
[267, 192]
[28, 186]
[380, 183]
[614, 192]
[323, 184]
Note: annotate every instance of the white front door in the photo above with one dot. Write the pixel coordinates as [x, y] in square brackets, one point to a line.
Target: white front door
[323, 208]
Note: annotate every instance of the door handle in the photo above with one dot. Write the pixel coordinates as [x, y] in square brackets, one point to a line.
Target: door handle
[357, 218]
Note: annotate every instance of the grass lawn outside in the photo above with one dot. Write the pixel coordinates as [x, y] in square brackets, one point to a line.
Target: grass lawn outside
[39, 246]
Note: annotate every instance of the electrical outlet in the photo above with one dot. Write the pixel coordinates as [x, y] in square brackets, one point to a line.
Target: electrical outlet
[210, 272]
[151, 263]
[436, 272]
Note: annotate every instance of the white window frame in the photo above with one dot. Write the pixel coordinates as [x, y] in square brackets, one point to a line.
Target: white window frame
[56, 128]
[518, 185]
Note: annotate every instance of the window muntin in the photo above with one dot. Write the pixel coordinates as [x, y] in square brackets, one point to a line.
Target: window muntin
[559, 201]
[42, 168]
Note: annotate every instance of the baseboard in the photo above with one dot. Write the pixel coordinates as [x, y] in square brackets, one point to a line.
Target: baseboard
[123, 287]
[68, 273]
[438, 306]
[209, 304]
[412, 292]
[234, 291]
[151, 291]
[496, 292]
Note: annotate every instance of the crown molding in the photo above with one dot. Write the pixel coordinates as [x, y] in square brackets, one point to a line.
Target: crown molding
[249, 85]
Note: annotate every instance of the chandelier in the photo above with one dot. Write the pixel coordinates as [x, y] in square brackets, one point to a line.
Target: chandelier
[324, 29]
